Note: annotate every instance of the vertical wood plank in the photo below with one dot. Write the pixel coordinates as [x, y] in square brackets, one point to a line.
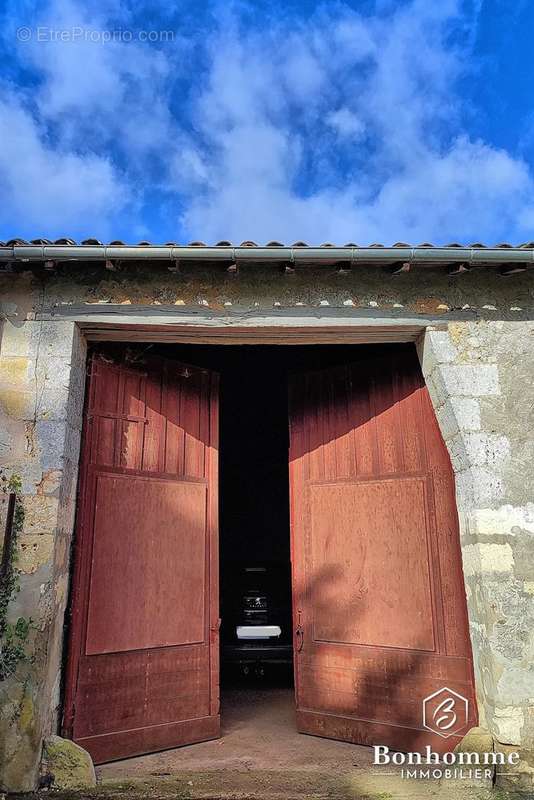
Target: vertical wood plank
[142, 671]
[375, 556]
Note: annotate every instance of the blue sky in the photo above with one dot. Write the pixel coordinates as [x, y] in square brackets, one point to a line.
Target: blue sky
[338, 121]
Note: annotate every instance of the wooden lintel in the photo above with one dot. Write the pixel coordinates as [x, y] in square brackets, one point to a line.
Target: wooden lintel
[363, 332]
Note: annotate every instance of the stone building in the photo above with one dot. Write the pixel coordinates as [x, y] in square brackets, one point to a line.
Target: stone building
[467, 312]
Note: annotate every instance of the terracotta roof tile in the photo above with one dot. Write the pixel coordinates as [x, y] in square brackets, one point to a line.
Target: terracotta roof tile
[249, 243]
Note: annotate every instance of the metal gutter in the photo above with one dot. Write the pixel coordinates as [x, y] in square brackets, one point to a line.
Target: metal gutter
[352, 255]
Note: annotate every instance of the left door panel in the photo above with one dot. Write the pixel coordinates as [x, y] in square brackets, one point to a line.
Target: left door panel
[143, 663]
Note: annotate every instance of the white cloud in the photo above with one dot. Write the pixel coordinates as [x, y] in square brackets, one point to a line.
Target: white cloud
[335, 126]
[288, 158]
[346, 123]
[97, 115]
[51, 191]
[104, 92]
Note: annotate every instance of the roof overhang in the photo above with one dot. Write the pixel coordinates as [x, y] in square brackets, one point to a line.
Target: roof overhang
[353, 255]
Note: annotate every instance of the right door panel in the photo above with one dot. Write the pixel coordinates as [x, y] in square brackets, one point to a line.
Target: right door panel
[379, 600]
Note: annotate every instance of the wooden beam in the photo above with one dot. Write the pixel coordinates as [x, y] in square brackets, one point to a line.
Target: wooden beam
[283, 335]
[270, 328]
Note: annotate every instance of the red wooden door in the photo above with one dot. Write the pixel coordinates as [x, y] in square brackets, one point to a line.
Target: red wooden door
[142, 672]
[379, 600]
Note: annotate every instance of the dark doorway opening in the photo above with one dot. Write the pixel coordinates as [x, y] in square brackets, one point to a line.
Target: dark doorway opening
[255, 570]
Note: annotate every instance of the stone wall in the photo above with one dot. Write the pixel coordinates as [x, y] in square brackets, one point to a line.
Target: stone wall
[480, 373]
[481, 380]
[42, 369]
[256, 287]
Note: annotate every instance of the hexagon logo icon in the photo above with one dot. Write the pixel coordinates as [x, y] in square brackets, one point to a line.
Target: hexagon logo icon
[445, 712]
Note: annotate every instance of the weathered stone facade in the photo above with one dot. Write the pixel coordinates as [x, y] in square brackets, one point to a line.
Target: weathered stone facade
[480, 377]
[42, 378]
[476, 345]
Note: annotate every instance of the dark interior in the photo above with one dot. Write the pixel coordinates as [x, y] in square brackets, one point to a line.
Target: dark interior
[255, 572]
[255, 575]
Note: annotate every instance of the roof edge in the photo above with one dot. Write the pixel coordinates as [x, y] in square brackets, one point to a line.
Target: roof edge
[305, 254]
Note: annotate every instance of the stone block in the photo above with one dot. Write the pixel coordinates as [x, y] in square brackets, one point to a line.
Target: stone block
[437, 388]
[51, 443]
[17, 402]
[486, 557]
[486, 449]
[507, 724]
[470, 380]
[14, 371]
[53, 391]
[506, 519]
[476, 740]
[478, 487]
[16, 339]
[33, 552]
[466, 411]
[72, 444]
[441, 346]
[40, 513]
[515, 687]
[66, 765]
[457, 451]
[56, 339]
[50, 483]
[76, 397]
[447, 420]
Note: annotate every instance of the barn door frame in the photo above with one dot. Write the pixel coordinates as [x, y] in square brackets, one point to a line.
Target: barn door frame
[89, 328]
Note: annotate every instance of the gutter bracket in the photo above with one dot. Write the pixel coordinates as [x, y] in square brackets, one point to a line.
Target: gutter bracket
[114, 265]
[459, 269]
[400, 267]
